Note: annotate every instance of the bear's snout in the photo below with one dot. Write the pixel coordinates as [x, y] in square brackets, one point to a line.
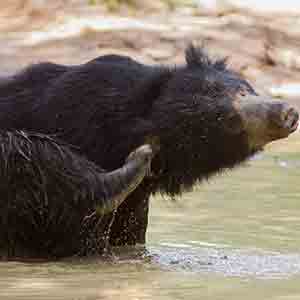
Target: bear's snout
[285, 116]
[266, 120]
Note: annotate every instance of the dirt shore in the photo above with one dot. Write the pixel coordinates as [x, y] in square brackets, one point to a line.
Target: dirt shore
[266, 50]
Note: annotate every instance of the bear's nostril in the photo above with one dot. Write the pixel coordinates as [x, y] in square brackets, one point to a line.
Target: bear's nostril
[290, 119]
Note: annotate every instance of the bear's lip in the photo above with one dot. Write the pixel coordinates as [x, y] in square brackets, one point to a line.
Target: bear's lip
[290, 119]
[295, 127]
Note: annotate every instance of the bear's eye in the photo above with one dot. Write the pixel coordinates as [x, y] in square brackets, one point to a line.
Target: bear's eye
[233, 123]
[235, 118]
[195, 99]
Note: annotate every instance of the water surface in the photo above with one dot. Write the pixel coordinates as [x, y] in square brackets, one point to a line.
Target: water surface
[236, 237]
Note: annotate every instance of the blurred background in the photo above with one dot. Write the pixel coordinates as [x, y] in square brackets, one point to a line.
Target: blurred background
[234, 237]
[261, 38]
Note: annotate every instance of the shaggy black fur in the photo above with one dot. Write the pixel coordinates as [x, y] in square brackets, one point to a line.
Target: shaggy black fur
[46, 191]
[51, 196]
[109, 105]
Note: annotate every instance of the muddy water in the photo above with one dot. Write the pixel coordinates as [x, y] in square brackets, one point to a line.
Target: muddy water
[236, 237]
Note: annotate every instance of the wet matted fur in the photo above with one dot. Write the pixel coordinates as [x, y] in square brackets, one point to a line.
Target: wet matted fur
[51, 197]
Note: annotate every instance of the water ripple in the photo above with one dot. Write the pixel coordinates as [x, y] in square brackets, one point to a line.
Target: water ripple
[228, 262]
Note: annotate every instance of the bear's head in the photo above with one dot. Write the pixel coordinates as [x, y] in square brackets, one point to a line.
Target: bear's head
[209, 119]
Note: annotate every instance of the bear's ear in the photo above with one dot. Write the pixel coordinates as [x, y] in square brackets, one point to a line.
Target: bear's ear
[197, 57]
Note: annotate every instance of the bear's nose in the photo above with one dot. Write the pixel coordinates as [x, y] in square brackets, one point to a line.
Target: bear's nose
[285, 116]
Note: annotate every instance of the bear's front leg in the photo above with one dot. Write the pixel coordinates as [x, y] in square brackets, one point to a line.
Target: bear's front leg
[131, 220]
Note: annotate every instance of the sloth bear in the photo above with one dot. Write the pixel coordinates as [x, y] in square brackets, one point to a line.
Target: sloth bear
[206, 116]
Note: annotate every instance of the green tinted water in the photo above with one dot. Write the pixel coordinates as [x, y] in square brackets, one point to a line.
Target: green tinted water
[234, 238]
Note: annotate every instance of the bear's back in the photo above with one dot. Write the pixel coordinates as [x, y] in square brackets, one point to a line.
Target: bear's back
[95, 105]
[33, 76]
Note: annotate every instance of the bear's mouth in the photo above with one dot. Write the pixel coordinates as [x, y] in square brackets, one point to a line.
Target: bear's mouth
[284, 121]
[289, 119]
